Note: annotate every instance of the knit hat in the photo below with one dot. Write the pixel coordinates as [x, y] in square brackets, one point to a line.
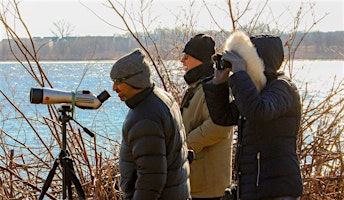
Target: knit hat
[130, 64]
[201, 47]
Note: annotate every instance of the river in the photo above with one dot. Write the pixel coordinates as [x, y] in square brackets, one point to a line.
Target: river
[315, 76]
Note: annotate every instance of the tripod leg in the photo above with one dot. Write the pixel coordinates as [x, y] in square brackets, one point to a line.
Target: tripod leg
[49, 179]
[66, 183]
[67, 180]
[70, 193]
[73, 178]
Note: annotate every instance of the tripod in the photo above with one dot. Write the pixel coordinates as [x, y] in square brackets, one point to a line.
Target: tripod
[68, 174]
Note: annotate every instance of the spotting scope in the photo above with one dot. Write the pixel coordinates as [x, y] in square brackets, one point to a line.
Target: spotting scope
[84, 99]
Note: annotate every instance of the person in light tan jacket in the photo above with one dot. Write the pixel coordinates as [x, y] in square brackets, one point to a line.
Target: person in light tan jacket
[211, 169]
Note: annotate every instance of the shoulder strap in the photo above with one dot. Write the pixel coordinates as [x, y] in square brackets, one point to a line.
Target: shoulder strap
[189, 95]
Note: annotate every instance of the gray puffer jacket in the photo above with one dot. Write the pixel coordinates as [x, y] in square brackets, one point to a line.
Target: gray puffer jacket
[153, 155]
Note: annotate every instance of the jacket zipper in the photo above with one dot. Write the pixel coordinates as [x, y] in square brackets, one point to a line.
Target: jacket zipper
[258, 164]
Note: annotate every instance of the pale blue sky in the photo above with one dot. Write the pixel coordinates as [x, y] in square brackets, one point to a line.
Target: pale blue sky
[39, 15]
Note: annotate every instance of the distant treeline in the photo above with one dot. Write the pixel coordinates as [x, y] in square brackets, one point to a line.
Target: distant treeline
[316, 45]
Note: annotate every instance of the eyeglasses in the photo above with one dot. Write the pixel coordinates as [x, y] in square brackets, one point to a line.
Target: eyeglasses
[118, 81]
[185, 56]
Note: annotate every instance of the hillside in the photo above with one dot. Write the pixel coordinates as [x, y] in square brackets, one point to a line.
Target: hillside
[316, 45]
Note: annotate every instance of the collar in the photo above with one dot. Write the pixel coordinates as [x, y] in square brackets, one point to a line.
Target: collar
[200, 72]
[135, 100]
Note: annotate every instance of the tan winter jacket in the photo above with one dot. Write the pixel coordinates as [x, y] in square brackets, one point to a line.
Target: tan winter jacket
[211, 170]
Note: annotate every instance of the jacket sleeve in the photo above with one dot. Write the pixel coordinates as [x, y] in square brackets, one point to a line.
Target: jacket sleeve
[221, 110]
[147, 140]
[207, 133]
[273, 101]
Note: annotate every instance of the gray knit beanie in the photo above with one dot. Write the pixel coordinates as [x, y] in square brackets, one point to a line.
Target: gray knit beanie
[133, 63]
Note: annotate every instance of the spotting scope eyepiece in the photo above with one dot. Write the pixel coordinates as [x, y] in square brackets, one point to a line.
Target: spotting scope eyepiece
[84, 99]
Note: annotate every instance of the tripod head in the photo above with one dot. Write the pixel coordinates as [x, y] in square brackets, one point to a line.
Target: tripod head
[65, 117]
[65, 108]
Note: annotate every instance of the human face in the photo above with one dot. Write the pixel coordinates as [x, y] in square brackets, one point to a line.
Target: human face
[189, 62]
[125, 91]
[120, 80]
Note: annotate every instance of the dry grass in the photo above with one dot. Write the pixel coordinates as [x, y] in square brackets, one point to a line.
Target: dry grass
[24, 169]
[321, 145]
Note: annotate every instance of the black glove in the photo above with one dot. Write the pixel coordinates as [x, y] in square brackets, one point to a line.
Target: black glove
[221, 76]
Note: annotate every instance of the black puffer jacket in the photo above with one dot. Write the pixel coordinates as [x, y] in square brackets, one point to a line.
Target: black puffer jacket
[267, 164]
[153, 155]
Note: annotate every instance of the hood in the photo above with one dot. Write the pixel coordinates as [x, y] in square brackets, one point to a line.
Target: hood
[270, 49]
[241, 44]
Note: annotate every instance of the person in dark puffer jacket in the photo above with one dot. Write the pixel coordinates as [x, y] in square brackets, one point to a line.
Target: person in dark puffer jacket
[267, 165]
[153, 155]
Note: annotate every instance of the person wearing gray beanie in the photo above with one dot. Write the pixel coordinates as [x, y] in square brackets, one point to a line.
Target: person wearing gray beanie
[153, 157]
[132, 69]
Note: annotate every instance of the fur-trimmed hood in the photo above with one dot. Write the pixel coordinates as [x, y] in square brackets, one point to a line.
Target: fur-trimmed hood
[263, 55]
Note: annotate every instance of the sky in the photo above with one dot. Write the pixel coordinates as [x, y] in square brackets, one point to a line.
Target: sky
[95, 18]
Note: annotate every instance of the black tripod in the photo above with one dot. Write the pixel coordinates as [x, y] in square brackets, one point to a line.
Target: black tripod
[68, 174]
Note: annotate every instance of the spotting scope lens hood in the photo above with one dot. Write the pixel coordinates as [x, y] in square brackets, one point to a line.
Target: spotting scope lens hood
[36, 95]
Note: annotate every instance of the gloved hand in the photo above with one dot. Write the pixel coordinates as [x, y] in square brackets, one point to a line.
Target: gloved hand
[238, 63]
[221, 76]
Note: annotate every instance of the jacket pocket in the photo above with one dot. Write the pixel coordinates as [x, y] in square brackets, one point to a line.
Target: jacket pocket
[198, 180]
